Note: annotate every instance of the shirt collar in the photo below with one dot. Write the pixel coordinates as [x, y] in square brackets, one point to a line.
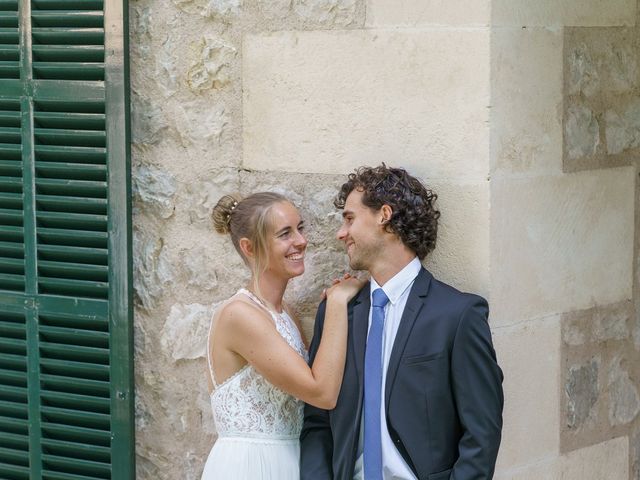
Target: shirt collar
[396, 285]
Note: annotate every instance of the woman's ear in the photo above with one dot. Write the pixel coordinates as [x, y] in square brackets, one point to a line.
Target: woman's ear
[246, 248]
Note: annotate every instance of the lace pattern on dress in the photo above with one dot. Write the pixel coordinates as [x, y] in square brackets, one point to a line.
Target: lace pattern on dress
[248, 405]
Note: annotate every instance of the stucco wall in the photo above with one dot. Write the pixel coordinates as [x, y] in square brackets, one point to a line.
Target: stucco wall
[502, 107]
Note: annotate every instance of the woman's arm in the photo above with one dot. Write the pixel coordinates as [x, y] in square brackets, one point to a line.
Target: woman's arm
[250, 333]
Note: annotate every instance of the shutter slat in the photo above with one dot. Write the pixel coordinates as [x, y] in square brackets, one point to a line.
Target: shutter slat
[68, 36]
[11, 184]
[73, 369]
[72, 220]
[69, 137]
[12, 377]
[13, 472]
[76, 336]
[96, 256]
[14, 441]
[81, 188]
[12, 265]
[65, 70]
[76, 401]
[14, 425]
[74, 353]
[10, 168]
[71, 154]
[96, 207]
[11, 282]
[11, 250]
[65, 416]
[98, 273]
[68, 18]
[7, 118]
[86, 121]
[9, 35]
[73, 288]
[9, 134]
[67, 4]
[71, 171]
[11, 233]
[9, 5]
[19, 457]
[90, 436]
[12, 329]
[10, 52]
[78, 238]
[69, 53]
[76, 385]
[13, 409]
[73, 449]
[77, 466]
[13, 394]
[8, 360]
[11, 200]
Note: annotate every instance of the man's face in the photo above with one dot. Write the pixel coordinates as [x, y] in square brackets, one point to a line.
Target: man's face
[361, 232]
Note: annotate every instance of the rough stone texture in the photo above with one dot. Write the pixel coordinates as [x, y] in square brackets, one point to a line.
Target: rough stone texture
[337, 12]
[623, 129]
[184, 335]
[582, 391]
[582, 132]
[624, 402]
[152, 271]
[153, 189]
[211, 70]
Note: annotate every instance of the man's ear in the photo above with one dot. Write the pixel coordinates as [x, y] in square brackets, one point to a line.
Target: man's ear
[246, 248]
[385, 214]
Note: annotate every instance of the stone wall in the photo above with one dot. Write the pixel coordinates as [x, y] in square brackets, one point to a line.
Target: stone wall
[521, 115]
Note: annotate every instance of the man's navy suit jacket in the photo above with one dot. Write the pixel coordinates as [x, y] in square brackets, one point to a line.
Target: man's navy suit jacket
[443, 391]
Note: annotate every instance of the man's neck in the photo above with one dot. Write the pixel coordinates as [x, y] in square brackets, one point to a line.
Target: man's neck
[388, 267]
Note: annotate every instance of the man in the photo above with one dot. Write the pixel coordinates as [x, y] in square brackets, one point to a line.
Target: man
[422, 394]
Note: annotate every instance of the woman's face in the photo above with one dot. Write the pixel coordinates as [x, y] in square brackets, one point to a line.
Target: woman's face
[287, 243]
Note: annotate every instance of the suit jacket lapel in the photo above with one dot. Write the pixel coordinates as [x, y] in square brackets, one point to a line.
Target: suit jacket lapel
[360, 325]
[411, 310]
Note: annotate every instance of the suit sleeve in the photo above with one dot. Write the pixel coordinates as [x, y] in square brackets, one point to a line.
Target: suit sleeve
[316, 440]
[477, 389]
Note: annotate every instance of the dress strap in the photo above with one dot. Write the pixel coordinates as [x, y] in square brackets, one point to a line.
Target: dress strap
[260, 303]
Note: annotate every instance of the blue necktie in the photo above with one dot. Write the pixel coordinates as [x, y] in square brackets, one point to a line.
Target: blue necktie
[373, 389]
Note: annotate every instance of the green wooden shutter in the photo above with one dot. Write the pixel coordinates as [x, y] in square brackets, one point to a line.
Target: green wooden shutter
[66, 371]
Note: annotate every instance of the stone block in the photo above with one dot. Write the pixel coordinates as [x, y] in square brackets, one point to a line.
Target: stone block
[587, 13]
[622, 129]
[545, 470]
[551, 243]
[328, 101]
[606, 460]
[527, 99]
[185, 332]
[529, 355]
[461, 257]
[427, 12]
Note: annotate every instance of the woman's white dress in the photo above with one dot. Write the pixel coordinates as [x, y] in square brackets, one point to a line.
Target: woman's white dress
[258, 424]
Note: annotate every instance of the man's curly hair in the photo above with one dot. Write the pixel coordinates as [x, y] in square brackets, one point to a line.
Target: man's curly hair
[414, 218]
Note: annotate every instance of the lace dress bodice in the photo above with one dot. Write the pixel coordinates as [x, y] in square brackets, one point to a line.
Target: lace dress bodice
[248, 405]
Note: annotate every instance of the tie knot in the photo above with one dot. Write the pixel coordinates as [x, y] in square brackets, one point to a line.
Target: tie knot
[380, 298]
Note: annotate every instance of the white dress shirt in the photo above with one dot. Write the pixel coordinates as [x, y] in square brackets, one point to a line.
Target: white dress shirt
[397, 290]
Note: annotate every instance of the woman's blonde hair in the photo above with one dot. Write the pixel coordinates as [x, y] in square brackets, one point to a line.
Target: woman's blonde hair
[249, 218]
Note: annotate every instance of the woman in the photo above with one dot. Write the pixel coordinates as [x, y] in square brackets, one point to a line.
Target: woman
[258, 374]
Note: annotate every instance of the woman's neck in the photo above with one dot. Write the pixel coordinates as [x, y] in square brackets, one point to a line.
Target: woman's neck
[270, 290]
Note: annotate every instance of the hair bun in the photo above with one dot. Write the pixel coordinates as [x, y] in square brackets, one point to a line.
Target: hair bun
[221, 214]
